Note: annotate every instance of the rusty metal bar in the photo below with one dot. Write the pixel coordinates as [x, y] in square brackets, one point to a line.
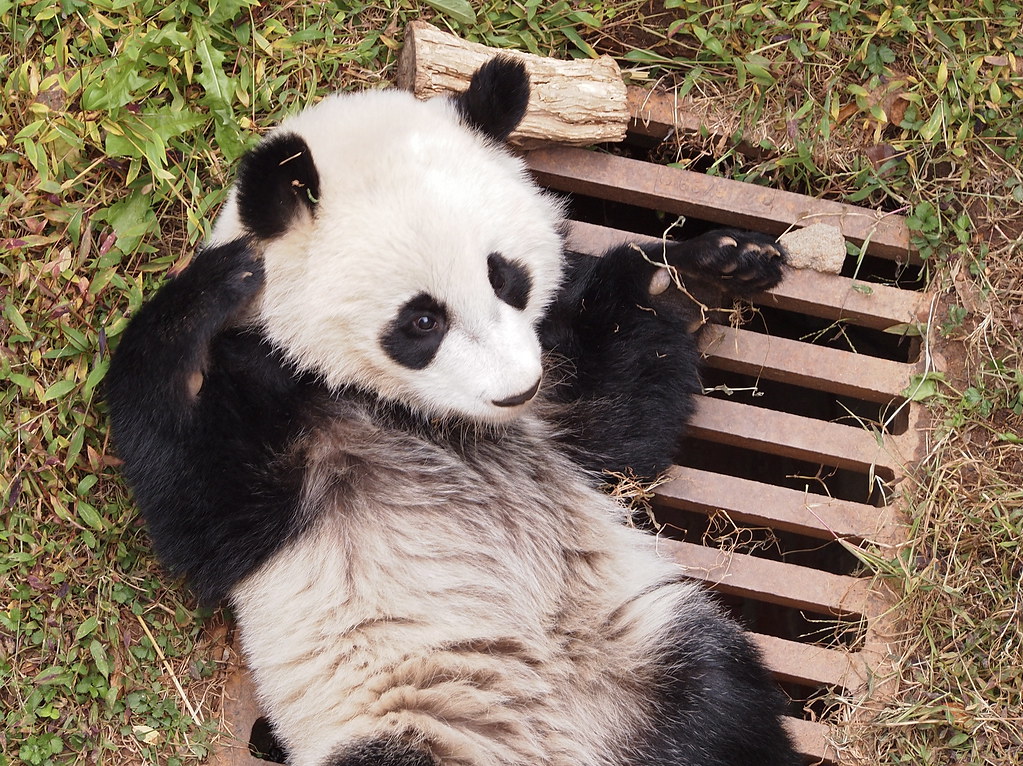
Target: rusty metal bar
[803, 364]
[656, 113]
[718, 200]
[804, 291]
[773, 582]
[828, 296]
[789, 510]
[780, 433]
[811, 739]
[810, 665]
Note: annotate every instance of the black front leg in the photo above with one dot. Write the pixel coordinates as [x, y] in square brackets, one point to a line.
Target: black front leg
[157, 372]
[622, 334]
[192, 418]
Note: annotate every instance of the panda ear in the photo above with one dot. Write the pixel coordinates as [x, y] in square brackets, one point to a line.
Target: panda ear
[277, 182]
[496, 99]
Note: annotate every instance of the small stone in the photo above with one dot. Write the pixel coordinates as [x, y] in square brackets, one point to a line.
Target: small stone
[818, 246]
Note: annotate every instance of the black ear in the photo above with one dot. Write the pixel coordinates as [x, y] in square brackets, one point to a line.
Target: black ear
[496, 100]
[276, 181]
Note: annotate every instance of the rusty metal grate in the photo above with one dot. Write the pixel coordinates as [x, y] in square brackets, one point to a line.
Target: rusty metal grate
[809, 474]
[791, 471]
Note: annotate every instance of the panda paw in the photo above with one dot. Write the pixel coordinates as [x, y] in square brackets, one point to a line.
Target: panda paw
[233, 272]
[741, 262]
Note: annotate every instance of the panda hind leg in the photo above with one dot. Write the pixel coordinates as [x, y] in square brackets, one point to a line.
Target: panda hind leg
[718, 705]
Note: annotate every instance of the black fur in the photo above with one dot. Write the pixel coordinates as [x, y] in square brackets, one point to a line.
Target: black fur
[276, 181]
[209, 469]
[510, 281]
[496, 99]
[384, 752]
[415, 335]
[632, 358]
[723, 713]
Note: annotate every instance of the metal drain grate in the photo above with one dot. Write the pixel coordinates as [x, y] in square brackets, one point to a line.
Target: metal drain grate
[788, 479]
[789, 472]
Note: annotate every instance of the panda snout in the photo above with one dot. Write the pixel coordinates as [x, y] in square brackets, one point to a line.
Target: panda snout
[515, 401]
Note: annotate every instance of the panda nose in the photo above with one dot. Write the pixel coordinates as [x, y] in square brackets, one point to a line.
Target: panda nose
[515, 401]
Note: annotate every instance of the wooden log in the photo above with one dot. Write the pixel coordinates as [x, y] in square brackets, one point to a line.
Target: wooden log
[575, 103]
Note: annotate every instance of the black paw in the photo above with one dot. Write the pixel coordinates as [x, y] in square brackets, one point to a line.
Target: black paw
[741, 262]
[233, 271]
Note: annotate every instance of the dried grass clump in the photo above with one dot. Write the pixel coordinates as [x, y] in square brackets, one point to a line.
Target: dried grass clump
[955, 689]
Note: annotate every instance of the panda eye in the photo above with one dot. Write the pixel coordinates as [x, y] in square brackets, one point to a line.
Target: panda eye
[416, 332]
[425, 323]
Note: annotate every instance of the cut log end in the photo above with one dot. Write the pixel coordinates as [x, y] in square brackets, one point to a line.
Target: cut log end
[575, 103]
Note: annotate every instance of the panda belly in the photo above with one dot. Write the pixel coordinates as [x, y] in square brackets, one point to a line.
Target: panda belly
[485, 615]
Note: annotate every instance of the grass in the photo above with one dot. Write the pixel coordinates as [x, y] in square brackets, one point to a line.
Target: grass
[124, 120]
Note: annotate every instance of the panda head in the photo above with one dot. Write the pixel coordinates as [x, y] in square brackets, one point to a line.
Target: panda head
[406, 251]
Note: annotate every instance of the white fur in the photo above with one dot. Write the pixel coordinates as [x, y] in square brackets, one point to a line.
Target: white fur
[410, 201]
[359, 630]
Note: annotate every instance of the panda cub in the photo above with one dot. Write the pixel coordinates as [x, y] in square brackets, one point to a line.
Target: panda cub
[372, 415]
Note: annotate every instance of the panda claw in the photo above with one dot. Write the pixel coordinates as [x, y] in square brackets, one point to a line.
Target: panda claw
[660, 282]
[195, 381]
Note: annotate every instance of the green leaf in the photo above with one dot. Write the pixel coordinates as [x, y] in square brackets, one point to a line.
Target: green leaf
[87, 628]
[212, 77]
[169, 122]
[578, 42]
[89, 515]
[912, 329]
[15, 318]
[584, 17]
[95, 376]
[960, 739]
[226, 10]
[86, 484]
[131, 219]
[459, 10]
[121, 146]
[53, 676]
[923, 386]
[99, 656]
[231, 141]
[934, 123]
[59, 389]
[644, 56]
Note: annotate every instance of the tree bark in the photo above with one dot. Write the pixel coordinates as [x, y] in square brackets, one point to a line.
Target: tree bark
[577, 102]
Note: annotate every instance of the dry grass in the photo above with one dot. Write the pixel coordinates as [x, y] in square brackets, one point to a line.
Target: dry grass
[960, 674]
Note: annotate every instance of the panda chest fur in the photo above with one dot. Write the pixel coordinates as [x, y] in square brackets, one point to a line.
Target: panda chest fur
[450, 587]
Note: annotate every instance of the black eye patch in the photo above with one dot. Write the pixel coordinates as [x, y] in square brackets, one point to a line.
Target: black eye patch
[510, 281]
[415, 334]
